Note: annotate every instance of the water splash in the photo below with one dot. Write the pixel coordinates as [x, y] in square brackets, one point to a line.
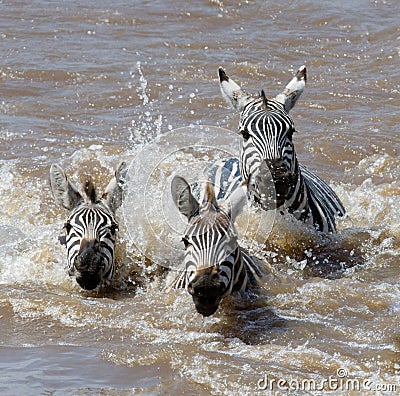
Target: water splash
[143, 84]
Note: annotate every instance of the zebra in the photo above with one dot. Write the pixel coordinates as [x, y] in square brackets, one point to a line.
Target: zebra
[91, 227]
[214, 264]
[269, 156]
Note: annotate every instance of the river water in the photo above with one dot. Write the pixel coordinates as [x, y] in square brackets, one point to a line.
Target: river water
[87, 84]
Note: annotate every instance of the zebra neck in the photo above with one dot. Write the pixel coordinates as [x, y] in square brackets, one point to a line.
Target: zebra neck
[239, 273]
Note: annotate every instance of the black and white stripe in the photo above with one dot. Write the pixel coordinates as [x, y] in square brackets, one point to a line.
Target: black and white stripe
[269, 156]
[214, 263]
[91, 227]
[91, 223]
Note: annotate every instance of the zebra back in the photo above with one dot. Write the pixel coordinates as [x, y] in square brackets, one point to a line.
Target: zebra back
[225, 176]
[323, 202]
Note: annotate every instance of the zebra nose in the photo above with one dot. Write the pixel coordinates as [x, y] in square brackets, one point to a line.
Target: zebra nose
[89, 244]
[88, 252]
[195, 289]
[277, 168]
[194, 292]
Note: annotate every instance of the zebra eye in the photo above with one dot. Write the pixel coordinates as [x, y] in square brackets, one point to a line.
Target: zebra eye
[185, 242]
[114, 228]
[67, 227]
[245, 133]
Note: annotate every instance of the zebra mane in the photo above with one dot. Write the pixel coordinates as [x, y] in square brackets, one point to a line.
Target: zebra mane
[210, 195]
[264, 98]
[90, 190]
[210, 217]
[271, 104]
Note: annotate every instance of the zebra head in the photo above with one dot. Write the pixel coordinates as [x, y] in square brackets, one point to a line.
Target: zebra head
[91, 226]
[211, 246]
[267, 151]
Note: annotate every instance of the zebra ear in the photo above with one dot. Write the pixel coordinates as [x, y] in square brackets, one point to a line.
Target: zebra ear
[231, 92]
[114, 192]
[182, 197]
[293, 90]
[237, 201]
[64, 192]
[210, 195]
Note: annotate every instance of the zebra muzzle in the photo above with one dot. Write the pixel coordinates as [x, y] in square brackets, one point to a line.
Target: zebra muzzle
[206, 300]
[277, 169]
[206, 290]
[273, 182]
[89, 266]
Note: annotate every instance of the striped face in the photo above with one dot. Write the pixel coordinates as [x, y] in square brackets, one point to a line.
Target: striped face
[90, 241]
[212, 260]
[267, 153]
[91, 227]
[210, 251]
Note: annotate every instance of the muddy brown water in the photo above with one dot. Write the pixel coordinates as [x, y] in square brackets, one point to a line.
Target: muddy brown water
[87, 84]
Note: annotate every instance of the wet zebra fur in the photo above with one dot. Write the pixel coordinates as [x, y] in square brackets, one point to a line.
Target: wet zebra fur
[91, 227]
[269, 156]
[214, 263]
